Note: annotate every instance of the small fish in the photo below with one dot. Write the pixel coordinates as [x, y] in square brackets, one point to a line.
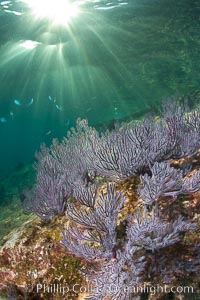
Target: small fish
[12, 114]
[157, 119]
[89, 109]
[49, 132]
[3, 120]
[67, 123]
[17, 102]
[58, 107]
[30, 102]
[51, 99]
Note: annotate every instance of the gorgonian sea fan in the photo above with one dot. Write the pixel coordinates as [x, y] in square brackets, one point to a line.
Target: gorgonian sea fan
[123, 247]
[132, 149]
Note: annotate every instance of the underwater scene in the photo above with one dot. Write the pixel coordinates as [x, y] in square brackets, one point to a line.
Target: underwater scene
[100, 149]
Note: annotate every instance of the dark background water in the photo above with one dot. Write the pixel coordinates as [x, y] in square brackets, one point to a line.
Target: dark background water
[116, 59]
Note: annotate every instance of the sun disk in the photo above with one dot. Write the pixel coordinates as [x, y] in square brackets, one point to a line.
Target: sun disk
[59, 11]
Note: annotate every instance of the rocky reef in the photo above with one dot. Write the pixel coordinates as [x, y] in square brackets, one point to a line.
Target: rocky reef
[119, 214]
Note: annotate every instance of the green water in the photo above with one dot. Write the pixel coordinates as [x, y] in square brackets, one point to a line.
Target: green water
[113, 60]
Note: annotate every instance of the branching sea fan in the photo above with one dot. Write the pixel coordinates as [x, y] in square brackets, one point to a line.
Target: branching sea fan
[126, 248]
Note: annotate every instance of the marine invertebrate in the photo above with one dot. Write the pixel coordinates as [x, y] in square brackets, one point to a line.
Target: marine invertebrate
[47, 199]
[167, 181]
[146, 149]
[101, 219]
